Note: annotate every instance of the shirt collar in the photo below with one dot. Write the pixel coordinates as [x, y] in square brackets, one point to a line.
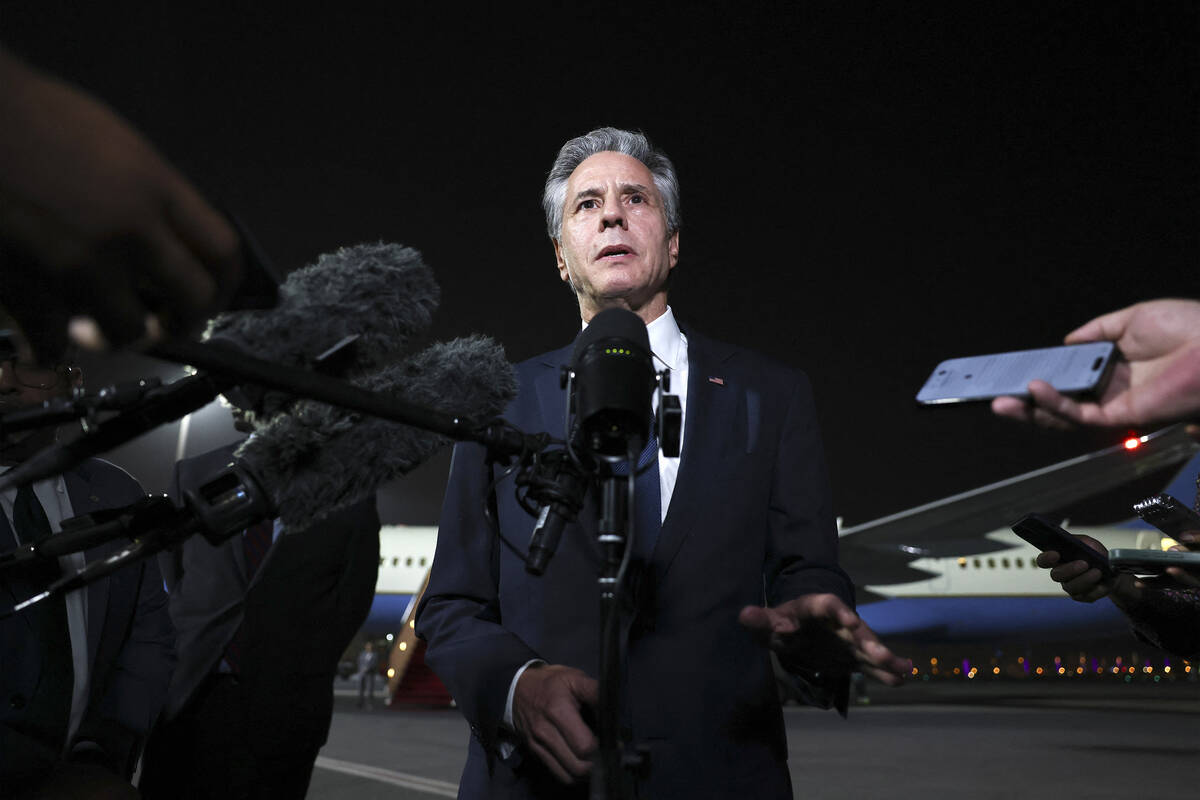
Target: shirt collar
[666, 340]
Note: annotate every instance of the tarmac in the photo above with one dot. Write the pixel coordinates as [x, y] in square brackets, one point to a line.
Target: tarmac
[1037, 738]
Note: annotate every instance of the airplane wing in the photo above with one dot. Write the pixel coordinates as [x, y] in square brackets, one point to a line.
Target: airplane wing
[878, 552]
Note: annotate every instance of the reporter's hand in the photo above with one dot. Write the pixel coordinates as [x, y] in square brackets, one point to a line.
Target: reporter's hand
[1187, 577]
[1157, 381]
[93, 221]
[1086, 583]
[822, 632]
[546, 706]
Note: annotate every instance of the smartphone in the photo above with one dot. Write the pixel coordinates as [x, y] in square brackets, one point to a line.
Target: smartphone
[1071, 369]
[1170, 516]
[1045, 535]
[1151, 562]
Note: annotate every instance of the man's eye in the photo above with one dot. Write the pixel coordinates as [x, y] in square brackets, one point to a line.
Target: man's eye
[589, 204]
[637, 198]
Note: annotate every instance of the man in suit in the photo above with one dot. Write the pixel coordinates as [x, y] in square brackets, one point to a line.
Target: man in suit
[745, 554]
[83, 676]
[262, 620]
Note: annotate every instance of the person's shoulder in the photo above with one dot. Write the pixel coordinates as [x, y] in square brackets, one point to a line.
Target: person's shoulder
[99, 471]
[745, 360]
[539, 364]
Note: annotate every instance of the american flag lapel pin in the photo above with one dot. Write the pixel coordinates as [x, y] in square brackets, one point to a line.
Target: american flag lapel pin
[716, 380]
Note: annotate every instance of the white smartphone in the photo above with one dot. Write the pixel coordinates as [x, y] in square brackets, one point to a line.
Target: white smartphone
[1071, 369]
[1151, 562]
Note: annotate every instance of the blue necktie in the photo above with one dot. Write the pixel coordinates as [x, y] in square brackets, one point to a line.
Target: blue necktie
[647, 515]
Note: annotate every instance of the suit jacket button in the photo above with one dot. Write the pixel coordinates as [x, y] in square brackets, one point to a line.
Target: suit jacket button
[17, 701]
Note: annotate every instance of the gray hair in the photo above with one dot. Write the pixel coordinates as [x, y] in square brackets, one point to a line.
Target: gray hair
[630, 143]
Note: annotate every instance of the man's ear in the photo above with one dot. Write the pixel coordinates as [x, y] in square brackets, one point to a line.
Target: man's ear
[673, 248]
[562, 262]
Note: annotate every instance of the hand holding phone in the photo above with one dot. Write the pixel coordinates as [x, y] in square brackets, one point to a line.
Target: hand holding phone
[1046, 536]
[1071, 369]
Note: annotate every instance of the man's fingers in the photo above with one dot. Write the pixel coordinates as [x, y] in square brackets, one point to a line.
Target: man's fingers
[1048, 559]
[1013, 408]
[557, 757]
[1069, 571]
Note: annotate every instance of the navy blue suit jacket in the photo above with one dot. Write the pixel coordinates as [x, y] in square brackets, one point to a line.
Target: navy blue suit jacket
[749, 523]
[130, 648]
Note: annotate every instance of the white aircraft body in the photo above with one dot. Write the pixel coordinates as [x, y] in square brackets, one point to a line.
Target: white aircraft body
[951, 570]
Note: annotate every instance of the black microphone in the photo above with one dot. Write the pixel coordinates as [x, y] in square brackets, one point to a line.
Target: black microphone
[613, 380]
[319, 457]
[303, 465]
[611, 383]
[381, 296]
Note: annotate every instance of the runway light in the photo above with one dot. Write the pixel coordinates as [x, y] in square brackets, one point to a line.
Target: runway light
[1188, 668]
[1020, 659]
[1079, 670]
[1062, 670]
[1133, 443]
[390, 637]
[1116, 670]
[933, 661]
[391, 672]
[1039, 670]
[995, 670]
[403, 646]
[914, 671]
[1167, 669]
[1132, 670]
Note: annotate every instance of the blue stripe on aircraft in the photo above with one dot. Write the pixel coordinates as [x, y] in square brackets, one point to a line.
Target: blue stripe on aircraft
[387, 613]
[949, 618]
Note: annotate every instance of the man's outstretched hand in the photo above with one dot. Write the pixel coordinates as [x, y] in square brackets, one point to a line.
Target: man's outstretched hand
[819, 631]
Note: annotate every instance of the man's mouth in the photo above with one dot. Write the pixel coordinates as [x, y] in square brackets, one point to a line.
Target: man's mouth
[615, 251]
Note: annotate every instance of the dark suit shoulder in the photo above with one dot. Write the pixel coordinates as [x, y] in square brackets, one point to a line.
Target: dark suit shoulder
[735, 357]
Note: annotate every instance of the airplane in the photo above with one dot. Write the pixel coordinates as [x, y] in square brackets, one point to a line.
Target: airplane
[946, 571]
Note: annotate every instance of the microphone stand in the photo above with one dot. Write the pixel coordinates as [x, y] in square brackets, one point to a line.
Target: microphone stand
[615, 535]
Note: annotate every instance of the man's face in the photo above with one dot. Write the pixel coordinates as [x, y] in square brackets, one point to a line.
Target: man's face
[24, 384]
[614, 246]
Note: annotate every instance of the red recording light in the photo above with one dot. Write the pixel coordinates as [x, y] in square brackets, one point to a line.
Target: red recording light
[1133, 443]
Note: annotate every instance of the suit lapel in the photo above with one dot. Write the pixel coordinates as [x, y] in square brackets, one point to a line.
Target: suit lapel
[84, 500]
[552, 399]
[711, 409]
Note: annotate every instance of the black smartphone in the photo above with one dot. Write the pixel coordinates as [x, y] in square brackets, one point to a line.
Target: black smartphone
[1170, 516]
[1151, 562]
[1045, 535]
[1071, 369]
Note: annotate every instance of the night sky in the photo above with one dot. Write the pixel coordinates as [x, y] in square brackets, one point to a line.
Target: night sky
[868, 188]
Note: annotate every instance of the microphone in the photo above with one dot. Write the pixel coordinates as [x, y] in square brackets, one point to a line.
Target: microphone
[380, 295]
[303, 465]
[613, 380]
[319, 457]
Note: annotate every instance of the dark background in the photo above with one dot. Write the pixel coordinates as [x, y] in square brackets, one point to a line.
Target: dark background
[868, 188]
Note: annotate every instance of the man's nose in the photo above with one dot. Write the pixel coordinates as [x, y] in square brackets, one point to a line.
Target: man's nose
[613, 216]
